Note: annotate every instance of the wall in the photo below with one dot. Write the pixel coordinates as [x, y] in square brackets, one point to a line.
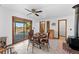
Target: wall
[70, 25]
[36, 21]
[6, 22]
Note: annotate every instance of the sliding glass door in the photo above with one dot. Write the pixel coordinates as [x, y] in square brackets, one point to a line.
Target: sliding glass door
[19, 31]
[20, 28]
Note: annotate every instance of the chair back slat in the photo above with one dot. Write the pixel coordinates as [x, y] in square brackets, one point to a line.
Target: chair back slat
[6, 50]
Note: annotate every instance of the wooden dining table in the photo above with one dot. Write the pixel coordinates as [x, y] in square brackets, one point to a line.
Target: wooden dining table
[38, 38]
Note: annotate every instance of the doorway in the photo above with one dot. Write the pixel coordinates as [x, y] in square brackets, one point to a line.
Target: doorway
[42, 26]
[20, 29]
[62, 28]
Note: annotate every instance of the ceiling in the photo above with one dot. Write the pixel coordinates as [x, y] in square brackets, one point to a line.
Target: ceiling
[49, 10]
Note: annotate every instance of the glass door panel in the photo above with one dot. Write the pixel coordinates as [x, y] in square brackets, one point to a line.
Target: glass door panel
[19, 31]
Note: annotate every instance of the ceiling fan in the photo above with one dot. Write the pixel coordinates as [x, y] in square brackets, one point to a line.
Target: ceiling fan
[34, 11]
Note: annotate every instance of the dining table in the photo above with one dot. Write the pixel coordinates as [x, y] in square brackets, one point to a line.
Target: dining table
[38, 38]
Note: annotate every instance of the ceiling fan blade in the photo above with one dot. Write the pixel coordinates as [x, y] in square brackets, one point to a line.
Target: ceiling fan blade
[29, 14]
[39, 11]
[28, 10]
[36, 14]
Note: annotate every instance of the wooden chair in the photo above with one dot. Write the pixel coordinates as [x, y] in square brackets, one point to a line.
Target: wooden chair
[7, 50]
[36, 41]
[3, 42]
[44, 42]
[30, 38]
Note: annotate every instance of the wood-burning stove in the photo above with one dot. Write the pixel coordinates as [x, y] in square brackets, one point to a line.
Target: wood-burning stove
[74, 41]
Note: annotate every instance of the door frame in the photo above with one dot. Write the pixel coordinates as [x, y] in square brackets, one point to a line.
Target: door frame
[65, 27]
[13, 28]
[47, 26]
[41, 26]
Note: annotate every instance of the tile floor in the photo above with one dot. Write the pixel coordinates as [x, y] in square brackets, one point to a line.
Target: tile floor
[55, 48]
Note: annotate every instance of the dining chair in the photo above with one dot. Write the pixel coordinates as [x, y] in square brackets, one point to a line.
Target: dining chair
[30, 39]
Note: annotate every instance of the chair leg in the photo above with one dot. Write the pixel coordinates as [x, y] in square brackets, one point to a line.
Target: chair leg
[47, 47]
[32, 47]
[28, 45]
[39, 46]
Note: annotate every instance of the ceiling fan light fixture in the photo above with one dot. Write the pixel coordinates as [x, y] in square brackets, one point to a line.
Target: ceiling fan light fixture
[34, 11]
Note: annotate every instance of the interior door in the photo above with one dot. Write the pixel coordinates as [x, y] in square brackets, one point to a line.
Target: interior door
[48, 26]
[42, 26]
[62, 28]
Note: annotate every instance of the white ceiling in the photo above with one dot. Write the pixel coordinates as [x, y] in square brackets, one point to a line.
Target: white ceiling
[49, 10]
